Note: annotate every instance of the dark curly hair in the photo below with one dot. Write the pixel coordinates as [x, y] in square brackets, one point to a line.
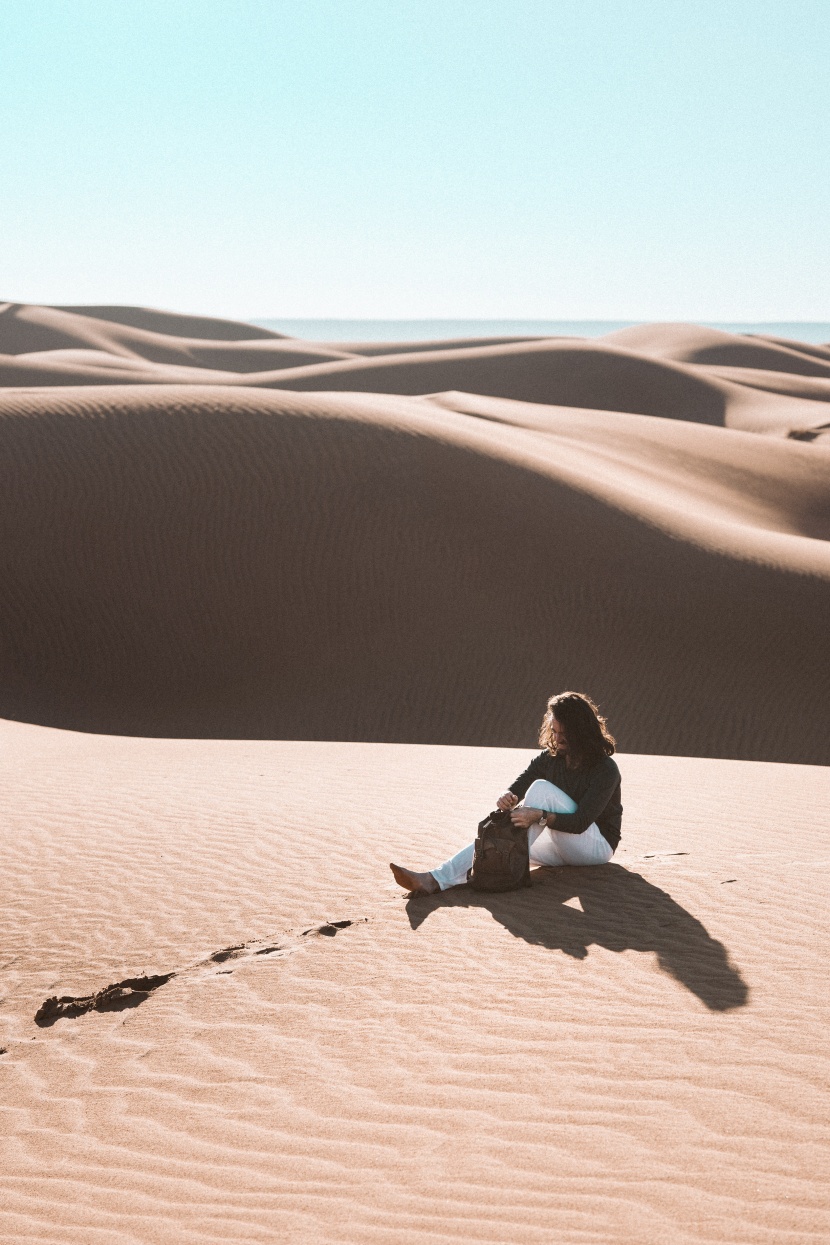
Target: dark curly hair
[586, 730]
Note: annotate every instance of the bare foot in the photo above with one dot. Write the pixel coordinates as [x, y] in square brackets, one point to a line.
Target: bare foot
[419, 883]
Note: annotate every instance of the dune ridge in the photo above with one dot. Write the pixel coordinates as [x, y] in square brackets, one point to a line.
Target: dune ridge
[673, 371]
[54, 343]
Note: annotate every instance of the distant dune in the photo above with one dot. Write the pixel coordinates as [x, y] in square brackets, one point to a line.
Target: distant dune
[673, 371]
[237, 559]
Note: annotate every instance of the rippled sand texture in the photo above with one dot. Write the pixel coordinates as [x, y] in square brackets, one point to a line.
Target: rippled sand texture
[635, 1053]
[203, 538]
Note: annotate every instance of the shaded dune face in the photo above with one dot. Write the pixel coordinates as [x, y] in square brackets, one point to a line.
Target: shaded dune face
[578, 374]
[228, 562]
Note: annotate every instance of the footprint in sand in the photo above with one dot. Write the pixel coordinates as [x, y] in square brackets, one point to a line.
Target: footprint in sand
[227, 953]
[328, 929]
[133, 991]
[114, 998]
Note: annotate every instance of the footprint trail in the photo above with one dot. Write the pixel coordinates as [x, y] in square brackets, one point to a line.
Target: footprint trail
[133, 991]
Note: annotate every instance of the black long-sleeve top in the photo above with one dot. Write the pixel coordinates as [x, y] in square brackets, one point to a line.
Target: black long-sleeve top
[597, 791]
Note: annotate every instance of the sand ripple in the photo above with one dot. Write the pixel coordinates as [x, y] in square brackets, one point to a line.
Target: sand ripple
[611, 1056]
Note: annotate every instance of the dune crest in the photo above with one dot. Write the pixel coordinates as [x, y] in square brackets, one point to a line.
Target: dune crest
[673, 371]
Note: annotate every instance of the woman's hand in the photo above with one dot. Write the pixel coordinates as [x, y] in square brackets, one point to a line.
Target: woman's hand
[526, 817]
[507, 801]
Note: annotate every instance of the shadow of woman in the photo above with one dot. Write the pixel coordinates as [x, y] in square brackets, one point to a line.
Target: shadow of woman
[620, 911]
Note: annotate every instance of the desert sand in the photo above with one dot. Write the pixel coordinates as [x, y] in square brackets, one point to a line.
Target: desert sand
[277, 612]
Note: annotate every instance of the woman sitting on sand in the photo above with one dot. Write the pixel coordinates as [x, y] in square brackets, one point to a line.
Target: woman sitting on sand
[571, 808]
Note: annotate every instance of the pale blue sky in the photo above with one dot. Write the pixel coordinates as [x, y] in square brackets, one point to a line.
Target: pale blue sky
[497, 158]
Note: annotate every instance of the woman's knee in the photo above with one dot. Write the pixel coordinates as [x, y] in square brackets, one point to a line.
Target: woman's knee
[588, 848]
[546, 795]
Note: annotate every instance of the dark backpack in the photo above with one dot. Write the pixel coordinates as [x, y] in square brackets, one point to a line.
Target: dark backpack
[501, 861]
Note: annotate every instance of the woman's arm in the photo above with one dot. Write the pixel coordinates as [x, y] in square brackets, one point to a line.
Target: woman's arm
[535, 770]
[602, 784]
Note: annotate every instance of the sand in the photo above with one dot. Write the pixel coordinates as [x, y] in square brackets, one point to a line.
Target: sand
[634, 1053]
[275, 613]
[672, 371]
[190, 561]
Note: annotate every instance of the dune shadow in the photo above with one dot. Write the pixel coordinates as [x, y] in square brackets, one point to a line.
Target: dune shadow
[621, 911]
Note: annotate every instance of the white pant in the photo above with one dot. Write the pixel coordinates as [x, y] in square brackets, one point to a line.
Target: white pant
[547, 847]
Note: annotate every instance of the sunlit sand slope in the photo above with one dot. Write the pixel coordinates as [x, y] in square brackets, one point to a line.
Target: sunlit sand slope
[635, 1053]
[214, 561]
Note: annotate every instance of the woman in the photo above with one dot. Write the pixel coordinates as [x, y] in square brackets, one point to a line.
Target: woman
[571, 808]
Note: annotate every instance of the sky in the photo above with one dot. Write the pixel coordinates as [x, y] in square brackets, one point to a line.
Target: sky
[660, 160]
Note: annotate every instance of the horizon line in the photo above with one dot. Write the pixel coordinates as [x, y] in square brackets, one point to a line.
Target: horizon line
[523, 320]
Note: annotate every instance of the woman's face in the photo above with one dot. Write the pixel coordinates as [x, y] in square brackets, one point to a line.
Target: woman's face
[559, 737]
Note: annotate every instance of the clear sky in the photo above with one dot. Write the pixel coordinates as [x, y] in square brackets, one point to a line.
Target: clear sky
[644, 159]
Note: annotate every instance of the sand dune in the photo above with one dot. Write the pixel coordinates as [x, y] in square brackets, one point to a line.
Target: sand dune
[346, 577]
[239, 558]
[690, 343]
[229, 562]
[173, 323]
[732, 491]
[676, 372]
[49, 337]
[815, 388]
[97, 367]
[632, 1054]
[372, 349]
